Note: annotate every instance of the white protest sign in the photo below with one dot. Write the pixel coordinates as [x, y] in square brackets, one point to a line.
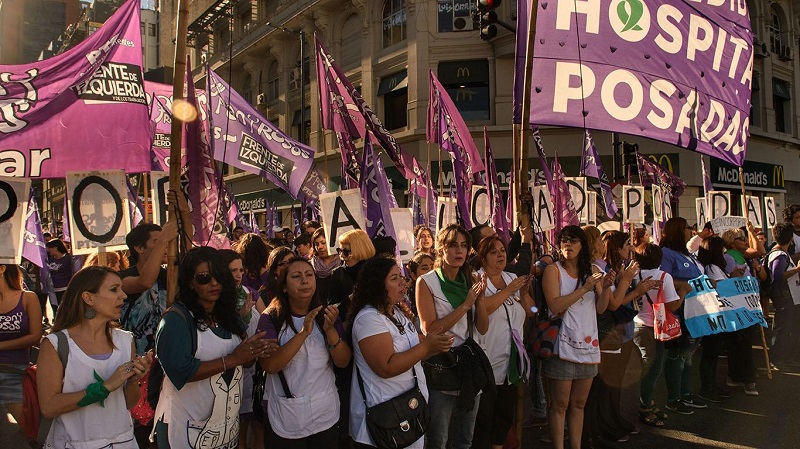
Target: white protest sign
[577, 191]
[542, 208]
[479, 210]
[341, 211]
[658, 203]
[770, 211]
[701, 209]
[159, 186]
[98, 211]
[446, 212]
[722, 224]
[591, 209]
[719, 203]
[403, 221]
[751, 207]
[13, 212]
[633, 204]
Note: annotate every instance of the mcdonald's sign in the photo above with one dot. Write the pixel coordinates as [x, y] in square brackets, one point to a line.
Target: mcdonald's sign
[756, 175]
[778, 178]
[462, 72]
[668, 161]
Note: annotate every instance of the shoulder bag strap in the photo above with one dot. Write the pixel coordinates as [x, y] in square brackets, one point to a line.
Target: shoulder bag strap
[361, 380]
[663, 273]
[62, 347]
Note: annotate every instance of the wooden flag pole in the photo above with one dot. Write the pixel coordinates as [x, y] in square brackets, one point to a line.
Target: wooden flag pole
[763, 337]
[520, 161]
[176, 137]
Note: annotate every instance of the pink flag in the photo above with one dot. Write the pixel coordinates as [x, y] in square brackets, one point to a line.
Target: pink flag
[498, 212]
[84, 109]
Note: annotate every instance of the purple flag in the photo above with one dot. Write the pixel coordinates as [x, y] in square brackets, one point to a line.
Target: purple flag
[296, 220]
[564, 208]
[202, 180]
[652, 173]
[520, 54]
[351, 169]
[498, 213]
[245, 139]
[134, 204]
[254, 223]
[268, 221]
[84, 105]
[160, 100]
[276, 219]
[675, 71]
[510, 200]
[65, 222]
[344, 109]
[376, 194]
[707, 186]
[592, 166]
[543, 166]
[33, 247]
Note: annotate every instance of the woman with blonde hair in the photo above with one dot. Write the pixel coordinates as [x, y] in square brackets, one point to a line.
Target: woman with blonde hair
[113, 260]
[355, 247]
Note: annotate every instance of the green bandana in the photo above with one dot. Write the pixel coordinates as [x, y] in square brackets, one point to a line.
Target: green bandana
[738, 257]
[455, 291]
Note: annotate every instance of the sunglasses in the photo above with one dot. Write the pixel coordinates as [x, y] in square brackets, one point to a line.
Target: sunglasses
[203, 278]
[570, 241]
[343, 251]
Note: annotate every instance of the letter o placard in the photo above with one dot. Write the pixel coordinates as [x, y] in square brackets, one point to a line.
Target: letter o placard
[13, 202]
[76, 208]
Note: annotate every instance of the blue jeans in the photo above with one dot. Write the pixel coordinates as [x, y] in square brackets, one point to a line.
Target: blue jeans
[678, 370]
[653, 355]
[447, 422]
[536, 389]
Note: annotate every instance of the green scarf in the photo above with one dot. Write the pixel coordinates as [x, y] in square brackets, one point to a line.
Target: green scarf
[737, 256]
[455, 291]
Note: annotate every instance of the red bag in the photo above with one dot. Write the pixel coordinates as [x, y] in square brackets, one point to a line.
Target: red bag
[666, 326]
[142, 412]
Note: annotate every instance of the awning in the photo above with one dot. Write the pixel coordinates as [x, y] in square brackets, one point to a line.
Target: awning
[392, 83]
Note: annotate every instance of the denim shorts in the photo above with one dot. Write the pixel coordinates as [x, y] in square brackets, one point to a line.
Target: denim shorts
[556, 368]
[11, 386]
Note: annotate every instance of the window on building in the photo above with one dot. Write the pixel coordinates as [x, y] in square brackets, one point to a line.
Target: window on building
[394, 22]
[222, 35]
[273, 82]
[351, 43]
[151, 29]
[141, 26]
[467, 82]
[455, 15]
[755, 100]
[294, 74]
[296, 125]
[247, 88]
[774, 28]
[245, 17]
[394, 90]
[781, 103]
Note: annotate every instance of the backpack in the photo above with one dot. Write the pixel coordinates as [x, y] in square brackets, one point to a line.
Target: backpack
[156, 376]
[34, 426]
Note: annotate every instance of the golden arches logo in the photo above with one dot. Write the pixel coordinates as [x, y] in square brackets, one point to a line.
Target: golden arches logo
[778, 177]
[662, 160]
[462, 72]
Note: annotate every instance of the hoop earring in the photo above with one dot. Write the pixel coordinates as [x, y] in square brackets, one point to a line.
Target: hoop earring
[89, 313]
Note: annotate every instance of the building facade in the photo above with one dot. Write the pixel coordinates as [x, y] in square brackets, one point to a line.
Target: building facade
[28, 26]
[386, 48]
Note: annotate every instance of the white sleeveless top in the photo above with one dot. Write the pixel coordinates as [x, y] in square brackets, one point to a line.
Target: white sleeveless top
[443, 308]
[94, 426]
[204, 414]
[578, 340]
[310, 377]
[496, 342]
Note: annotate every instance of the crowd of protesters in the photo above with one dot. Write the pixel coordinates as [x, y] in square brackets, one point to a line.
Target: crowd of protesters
[284, 343]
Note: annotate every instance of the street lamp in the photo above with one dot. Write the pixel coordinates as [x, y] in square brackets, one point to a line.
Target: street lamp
[302, 35]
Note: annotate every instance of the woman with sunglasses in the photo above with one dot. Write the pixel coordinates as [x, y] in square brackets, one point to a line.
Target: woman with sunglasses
[387, 349]
[448, 300]
[202, 345]
[575, 291]
[278, 258]
[507, 303]
[355, 247]
[98, 381]
[302, 399]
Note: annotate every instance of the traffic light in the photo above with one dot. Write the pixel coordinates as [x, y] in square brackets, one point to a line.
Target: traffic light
[487, 17]
[629, 151]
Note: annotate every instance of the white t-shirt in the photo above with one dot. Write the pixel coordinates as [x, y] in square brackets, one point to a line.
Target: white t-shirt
[369, 322]
[645, 316]
[497, 340]
[460, 330]
[715, 273]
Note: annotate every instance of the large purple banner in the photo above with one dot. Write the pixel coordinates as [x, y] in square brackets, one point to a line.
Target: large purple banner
[678, 72]
[84, 106]
[243, 138]
[159, 97]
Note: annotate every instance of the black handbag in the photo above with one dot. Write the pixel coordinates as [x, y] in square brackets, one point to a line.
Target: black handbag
[440, 370]
[609, 331]
[400, 421]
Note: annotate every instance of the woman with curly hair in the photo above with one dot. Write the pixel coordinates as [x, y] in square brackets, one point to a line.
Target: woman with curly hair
[386, 345]
[301, 395]
[423, 240]
[202, 346]
[575, 291]
[90, 392]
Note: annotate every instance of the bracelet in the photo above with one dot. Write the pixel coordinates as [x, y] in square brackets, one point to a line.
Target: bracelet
[224, 368]
[95, 392]
[333, 346]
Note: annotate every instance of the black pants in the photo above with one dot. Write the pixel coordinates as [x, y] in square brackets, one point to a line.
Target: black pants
[603, 415]
[712, 347]
[328, 438]
[741, 361]
[495, 416]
